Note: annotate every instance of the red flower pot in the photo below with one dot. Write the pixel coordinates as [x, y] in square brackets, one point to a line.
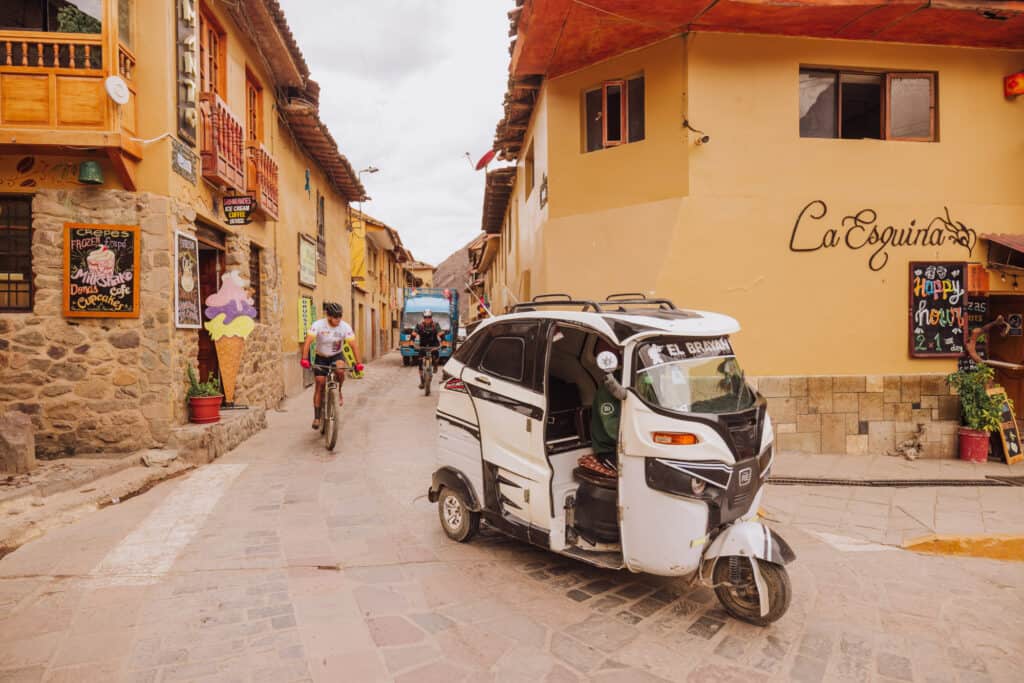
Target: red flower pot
[204, 409]
[973, 445]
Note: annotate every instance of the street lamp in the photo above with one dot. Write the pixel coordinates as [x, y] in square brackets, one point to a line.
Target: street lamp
[368, 169]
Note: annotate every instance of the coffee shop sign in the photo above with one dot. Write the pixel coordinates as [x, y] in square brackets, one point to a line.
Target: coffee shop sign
[864, 231]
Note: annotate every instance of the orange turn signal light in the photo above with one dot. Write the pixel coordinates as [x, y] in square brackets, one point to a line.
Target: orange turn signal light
[674, 438]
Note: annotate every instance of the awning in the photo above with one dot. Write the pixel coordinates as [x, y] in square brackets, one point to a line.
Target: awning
[490, 251]
[1005, 250]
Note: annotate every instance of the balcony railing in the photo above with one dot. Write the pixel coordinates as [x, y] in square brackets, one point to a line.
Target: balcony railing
[263, 179]
[53, 81]
[221, 147]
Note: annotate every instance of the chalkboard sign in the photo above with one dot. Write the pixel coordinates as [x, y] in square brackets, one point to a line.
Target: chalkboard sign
[101, 271]
[977, 315]
[1008, 433]
[938, 309]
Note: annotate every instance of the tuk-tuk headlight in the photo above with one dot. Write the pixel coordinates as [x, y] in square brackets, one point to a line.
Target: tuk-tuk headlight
[698, 486]
[671, 477]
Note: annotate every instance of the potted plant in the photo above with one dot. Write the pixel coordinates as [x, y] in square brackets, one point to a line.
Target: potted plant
[204, 398]
[980, 412]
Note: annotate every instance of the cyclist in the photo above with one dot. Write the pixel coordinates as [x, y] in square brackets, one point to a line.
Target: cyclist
[330, 334]
[429, 335]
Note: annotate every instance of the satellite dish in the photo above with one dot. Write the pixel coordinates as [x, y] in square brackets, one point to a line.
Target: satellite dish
[117, 89]
[486, 159]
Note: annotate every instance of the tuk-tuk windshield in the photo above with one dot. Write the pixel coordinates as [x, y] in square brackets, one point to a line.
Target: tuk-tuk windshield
[688, 375]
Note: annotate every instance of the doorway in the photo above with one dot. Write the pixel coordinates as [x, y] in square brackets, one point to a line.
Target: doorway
[1009, 348]
[374, 331]
[212, 264]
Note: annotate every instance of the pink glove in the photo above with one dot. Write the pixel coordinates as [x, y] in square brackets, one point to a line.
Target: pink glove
[305, 363]
[359, 367]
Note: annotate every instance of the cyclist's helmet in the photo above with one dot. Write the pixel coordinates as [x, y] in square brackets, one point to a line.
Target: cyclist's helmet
[428, 314]
[332, 310]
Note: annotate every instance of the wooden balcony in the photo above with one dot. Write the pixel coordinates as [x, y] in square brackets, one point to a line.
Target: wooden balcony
[262, 177]
[52, 94]
[221, 143]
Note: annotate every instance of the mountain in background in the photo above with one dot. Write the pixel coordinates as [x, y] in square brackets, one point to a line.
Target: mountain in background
[453, 273]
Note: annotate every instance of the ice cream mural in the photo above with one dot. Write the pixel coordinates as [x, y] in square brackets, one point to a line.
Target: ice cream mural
[230, 312]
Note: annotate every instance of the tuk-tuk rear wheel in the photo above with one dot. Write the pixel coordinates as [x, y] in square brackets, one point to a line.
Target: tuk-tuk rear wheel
[736, 590]
[457, 520]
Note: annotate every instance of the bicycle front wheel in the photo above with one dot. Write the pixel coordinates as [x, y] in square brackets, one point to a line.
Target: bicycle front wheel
[331, 420]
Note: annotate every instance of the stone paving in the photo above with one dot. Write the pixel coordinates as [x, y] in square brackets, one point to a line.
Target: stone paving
[303, 565]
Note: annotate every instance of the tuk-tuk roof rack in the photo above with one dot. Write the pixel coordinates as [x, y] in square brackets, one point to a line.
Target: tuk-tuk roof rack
[616, 303]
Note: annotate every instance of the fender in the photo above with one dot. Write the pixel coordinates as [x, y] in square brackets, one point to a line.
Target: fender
[751, 539]
[449, 477]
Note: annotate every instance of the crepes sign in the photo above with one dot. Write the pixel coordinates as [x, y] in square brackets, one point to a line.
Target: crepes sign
[101, 271]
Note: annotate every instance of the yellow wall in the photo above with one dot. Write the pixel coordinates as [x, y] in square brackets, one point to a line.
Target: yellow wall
[710, 226]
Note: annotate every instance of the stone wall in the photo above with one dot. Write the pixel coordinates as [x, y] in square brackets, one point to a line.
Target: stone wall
[861, 415]
[92, 384]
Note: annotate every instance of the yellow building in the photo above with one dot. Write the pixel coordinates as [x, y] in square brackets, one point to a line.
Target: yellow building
[378, 276]
[155, 119]
[420, 274]
[787, 180]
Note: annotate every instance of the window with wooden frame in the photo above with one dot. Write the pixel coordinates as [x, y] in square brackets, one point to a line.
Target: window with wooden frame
[16, 254]
[614, 114]
[877, 105]
[254, 277]
[213, 46]
[253, 108]
[321, 235]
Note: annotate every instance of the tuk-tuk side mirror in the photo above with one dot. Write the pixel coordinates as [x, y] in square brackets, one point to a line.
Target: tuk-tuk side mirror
[607, 361]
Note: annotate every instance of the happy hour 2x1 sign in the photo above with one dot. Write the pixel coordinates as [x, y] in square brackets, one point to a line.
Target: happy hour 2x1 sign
[101, 271]
[938, 308]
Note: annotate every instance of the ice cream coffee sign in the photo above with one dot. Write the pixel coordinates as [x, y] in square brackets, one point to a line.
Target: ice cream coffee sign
[101, 271]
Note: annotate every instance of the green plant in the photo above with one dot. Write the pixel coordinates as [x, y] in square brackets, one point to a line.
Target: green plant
[197, 389]
[980, 411]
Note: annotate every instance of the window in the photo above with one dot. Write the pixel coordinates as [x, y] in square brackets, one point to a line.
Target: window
[212, 54]
[254, 277]
[15, 254]
[74, 16]
[321, 235]
[504, 358]
[614, 114]
[864, 105]
[126, 22]
[253, 108]
[529, 170]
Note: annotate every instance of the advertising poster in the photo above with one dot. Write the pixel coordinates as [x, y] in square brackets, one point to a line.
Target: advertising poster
[187, 309]
[101, 271]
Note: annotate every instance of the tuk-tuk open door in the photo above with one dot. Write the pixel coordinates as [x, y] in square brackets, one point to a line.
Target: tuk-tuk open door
[503, 380]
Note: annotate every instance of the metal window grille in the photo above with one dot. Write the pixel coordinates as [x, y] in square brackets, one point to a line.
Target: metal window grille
[321, 235]
[16, 289]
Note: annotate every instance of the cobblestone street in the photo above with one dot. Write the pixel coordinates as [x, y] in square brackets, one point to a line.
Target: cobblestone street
[282, 562]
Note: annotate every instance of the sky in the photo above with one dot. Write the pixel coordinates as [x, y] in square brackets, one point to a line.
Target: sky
[410, 86]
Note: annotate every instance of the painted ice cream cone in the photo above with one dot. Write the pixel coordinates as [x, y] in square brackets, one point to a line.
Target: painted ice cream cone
[230, 312]
[229, 358]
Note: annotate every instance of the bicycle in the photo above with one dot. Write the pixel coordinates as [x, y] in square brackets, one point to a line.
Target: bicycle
[427, 368]
[328, 412]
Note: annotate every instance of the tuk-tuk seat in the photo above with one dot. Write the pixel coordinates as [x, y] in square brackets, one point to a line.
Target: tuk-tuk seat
[593, 471]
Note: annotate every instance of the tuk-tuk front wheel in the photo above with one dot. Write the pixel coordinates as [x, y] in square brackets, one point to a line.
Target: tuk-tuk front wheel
[457, 520]
[737, 591]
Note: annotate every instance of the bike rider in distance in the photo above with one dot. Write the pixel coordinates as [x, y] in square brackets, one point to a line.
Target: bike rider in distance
[330, 334]
[428, 334]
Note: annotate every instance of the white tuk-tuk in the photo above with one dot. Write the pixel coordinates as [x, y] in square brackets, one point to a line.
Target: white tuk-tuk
[694, 445]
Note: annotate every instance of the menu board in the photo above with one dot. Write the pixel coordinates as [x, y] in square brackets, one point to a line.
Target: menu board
[977, 316]
[938, 309]
[187, 299]
[101, 271]
[1009, 435]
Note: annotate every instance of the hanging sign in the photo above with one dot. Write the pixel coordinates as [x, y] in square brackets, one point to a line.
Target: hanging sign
[307, 261]
[187, 69]
[307, 315]
[238, 209]
[977, 315]
[938, 309]
[183, 160]
[187, 306]
[101, 271]
[1009, 435]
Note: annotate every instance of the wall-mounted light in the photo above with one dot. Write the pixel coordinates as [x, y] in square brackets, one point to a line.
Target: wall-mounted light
[704, 137]
[90, 173]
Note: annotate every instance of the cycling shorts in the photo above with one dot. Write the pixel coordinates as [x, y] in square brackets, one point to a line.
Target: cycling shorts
[322, 364]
